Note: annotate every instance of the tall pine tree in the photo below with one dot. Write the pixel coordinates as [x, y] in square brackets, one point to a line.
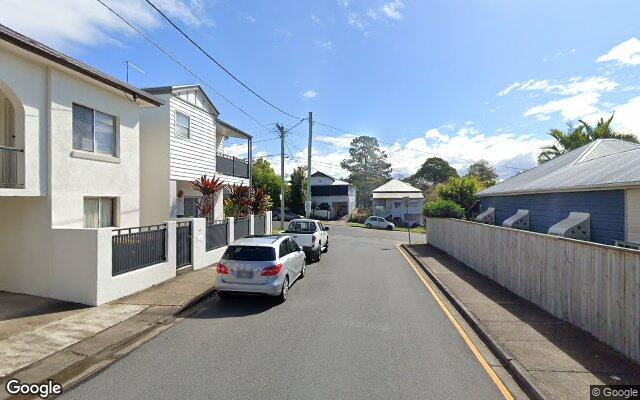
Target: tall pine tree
[368, 167]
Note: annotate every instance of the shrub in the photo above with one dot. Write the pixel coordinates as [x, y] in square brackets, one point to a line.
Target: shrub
[443, 209]
[359, 215]
[461, 191]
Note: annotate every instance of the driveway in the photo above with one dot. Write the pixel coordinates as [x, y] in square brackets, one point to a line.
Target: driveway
[360, 325]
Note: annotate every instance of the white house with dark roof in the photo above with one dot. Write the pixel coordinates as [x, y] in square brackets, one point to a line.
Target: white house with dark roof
[339, 195]
[181, 141]
[601, 179]
[398, 201]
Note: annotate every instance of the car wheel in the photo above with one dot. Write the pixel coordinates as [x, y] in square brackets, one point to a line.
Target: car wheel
[389, 228]
[223, 295]
[319, 254]
[326, 247]
[285, 290]
[368, 226]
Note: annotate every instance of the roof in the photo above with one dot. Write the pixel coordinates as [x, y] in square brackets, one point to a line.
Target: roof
[39, 49]
[178, 88]
[338, 182]
[396, 185]
[318, 173]
[231, 131]
[258, 240]
[398, 195]
[602, 164]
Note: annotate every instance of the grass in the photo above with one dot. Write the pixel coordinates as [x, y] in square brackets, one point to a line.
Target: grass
[399, 229]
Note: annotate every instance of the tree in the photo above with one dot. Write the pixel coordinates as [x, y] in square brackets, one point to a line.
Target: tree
[298, 190]
[260, 201]
[264, 177]
[238, 204]
[575, 137]
[368, 167]
[207, 188]
[461, 191]
[433, 170]
[484, 171]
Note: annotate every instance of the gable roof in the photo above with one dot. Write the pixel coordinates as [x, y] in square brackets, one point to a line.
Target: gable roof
[322, 174]
[396, 189]
[39, 49]
[174, 89]
[602, 164]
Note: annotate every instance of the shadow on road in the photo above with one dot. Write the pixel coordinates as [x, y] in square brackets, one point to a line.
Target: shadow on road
[234, 306]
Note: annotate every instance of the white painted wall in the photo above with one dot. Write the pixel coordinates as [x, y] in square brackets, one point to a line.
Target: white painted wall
[632, 215]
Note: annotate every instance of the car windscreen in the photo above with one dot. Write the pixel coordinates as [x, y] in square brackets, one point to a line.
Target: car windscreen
[301, 227]
[249, 253]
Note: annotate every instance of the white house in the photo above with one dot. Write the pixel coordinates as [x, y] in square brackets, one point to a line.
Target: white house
[399, 202]
[69, 170]
[339, 195]
[181, 141]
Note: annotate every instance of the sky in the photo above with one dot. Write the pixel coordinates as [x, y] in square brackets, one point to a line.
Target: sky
[462, 80]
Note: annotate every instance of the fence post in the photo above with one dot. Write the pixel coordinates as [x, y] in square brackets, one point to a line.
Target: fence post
[267, 222]
[252, 227]
[230, 230]
[198, 242]
[171, 250]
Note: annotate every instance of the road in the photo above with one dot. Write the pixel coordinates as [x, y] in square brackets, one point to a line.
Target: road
[360, 325]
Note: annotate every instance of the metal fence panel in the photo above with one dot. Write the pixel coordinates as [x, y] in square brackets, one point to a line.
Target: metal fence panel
[135, 248]
[10, 159]
[216, 234]
[241, 228]
[232, 166]
[258, 225]
[183, 243]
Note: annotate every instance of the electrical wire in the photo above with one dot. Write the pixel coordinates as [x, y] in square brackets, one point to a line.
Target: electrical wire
[218, 63]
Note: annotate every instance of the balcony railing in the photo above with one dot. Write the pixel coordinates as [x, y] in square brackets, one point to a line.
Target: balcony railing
[232, 166]
[11, 161]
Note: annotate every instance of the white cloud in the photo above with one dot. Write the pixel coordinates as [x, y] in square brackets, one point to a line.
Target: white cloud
[325, 45]
[70, 22]
[238, 150]
[345, 3]
[310, 94]
[571, 86]
[627, 118]
[574, 107]
[392, 9]
[355, 20]
[436, 135]
[343, 141]
[626, 53]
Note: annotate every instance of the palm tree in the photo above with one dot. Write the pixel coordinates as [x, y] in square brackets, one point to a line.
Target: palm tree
[575, 137]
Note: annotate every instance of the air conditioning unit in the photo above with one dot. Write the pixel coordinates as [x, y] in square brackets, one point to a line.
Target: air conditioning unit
[519, 220]
[576, 226]
[627, 245]
[487, 217]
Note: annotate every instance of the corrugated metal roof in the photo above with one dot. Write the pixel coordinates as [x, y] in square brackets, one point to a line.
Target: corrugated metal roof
[601, 164]
[397, 195]
[396, 185]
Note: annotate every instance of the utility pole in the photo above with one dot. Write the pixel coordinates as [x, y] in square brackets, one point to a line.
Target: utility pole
[308, 210]
[282, 133]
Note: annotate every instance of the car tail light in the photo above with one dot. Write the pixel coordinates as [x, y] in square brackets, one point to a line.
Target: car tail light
[313, 239]
[272, 270]
[222, 269]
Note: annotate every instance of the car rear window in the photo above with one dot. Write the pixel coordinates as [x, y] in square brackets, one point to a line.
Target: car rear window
[301, 226]
[249, 253]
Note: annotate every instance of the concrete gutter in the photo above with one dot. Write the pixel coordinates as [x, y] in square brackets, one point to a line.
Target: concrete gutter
[527, 382]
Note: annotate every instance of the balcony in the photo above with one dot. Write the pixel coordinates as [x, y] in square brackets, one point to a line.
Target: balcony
[232, 166]
[11, 165]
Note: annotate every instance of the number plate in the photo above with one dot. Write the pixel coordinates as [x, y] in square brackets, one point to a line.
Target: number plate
[245, 274]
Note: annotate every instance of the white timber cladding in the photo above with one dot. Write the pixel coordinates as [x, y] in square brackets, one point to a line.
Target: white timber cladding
[632, 215]
[195, 156]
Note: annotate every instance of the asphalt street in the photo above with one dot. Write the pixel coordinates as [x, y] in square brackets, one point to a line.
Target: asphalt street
[360, 325]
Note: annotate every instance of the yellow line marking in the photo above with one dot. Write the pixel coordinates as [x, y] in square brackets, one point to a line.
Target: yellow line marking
[496, 380]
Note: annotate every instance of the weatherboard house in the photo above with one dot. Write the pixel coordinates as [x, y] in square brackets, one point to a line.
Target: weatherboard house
[399, 202]
[339, 196]
[595, 187]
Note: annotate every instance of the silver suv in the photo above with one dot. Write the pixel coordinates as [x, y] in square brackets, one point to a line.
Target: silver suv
[260, 265]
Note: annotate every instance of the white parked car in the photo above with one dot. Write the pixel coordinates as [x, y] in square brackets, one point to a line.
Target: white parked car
[311, 235]
[378, 223]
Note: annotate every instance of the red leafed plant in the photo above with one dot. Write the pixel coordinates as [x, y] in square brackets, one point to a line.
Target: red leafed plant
[260, 201]
[208, 187]
[238, 204]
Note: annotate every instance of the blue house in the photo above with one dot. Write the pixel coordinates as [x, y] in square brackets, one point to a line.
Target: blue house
[600, 180]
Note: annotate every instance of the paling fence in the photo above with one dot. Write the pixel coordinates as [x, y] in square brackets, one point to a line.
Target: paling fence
[593, 286]
[139, 247]
[217, 234]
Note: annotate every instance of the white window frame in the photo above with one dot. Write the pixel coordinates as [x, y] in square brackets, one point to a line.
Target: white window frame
[115, 131]
[101, 199]
[188, 127]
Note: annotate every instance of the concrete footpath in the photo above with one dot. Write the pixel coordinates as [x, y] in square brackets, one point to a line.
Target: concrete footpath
[551, 358]
[44, 339]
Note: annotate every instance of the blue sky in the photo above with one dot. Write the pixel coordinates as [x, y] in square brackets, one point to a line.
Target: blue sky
[460, 79]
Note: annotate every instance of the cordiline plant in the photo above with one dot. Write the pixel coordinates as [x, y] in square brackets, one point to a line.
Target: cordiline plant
[207, 187]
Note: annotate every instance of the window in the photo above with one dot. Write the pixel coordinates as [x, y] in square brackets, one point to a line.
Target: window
[249, 253]
[93, 131]
[293, 246]
[182, 125]
[397, 204]
[413, 203]
[284, 249]
[98, 212]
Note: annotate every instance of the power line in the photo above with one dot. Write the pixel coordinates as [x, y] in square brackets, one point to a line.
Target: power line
[181, 64]
[218, 63]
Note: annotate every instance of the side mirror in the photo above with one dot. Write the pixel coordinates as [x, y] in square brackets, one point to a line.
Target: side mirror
[326, 228]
